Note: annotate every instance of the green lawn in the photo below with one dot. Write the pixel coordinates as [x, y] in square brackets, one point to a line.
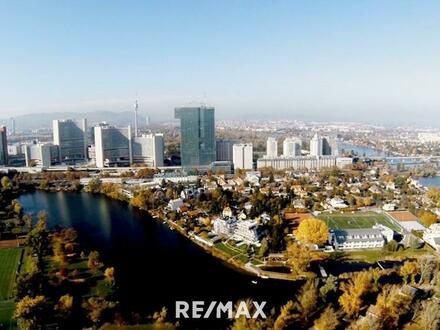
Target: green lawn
[356, 220]
[9, 259]
[6, 311]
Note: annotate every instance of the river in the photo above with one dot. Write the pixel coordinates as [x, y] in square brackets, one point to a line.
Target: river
[362, 150]
[154, 265]
[430, 181]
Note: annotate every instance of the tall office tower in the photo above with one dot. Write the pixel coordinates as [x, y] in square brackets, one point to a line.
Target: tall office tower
[3, 146]
[148, 149]
[292, 147]
[113, 146]
[223, 149]
[12, 125]
[197, 135]
[242, 156]
[316, 146]
[271, 148]
[329, 146]
[71, 138]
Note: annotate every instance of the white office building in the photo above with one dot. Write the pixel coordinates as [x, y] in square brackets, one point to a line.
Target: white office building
[71, 138]
[224, 227]
[242, 156]
[316, 146]
[40, 154]
[223, 150]
[148, 149]
[113, 146]
[292, 147]
[271, 147]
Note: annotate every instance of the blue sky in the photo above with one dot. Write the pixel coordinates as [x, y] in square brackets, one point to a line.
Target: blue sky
[314, 60]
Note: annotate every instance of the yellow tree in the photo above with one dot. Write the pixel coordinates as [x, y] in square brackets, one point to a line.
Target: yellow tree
[298, 258]
[428, 218]
[328, 320]
[312, 231]
[410, 269]
[29, 311]
[391, 304]
[109, 274]
[354, 291]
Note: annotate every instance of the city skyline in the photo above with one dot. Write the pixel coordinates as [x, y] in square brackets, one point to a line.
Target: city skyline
[309, 61]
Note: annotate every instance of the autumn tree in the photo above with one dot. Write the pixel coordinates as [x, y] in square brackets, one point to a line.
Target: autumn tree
[109, 275]
[93, 261]
[428, 218]
[298, 258]
[354, 291]
[428, 316]
[96, 308]
[312, 231]
[409, 270]
[390, 306]
[328, 320]
[29, 312]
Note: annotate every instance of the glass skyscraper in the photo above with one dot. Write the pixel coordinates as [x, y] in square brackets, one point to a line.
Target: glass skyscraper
[197, 135]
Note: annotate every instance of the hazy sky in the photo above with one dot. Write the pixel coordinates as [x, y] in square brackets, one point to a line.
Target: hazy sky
[366, 60]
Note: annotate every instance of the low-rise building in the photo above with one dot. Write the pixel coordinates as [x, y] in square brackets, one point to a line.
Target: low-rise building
[175, 204]
[247, 231]
[224, 227]
[353, 239]
[431, 236]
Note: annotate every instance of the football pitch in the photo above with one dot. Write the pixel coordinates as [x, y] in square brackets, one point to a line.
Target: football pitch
[356, 220]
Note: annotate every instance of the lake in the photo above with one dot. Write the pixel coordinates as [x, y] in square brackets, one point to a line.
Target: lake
[154, 265]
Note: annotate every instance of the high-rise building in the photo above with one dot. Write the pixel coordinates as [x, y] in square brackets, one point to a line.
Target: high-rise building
[292, 147]
[223, 149]
[148, 149]
[71, 138]
[197, 135]
[3, 146]
[271, 147]
[329, 146]
[113, 146]
[316, 146]
[242, 156]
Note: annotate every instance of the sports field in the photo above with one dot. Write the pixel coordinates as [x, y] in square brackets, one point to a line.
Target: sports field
[356, 220]
[9, 259]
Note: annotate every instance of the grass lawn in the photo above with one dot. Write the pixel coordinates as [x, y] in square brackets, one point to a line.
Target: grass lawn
[356, 220]
[6, 312]
[9, 259]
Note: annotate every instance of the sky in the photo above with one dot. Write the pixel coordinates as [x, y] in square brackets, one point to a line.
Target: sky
[311, 60]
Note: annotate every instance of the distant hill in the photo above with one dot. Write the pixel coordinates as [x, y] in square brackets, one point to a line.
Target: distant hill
[44, 120]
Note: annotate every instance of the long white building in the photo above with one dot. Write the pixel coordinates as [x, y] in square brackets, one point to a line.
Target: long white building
[148, 149]
[242, 156]
[301, 162]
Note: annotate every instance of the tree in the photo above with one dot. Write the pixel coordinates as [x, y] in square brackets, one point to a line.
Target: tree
[391, 304]
[29, 312]
[409, 270]
[308, 298]
[298, 258]
[312, 231]
[264, 247]
[65, 305]
[428, 315]
[6, 183]
[289, 314]
[93, 262]
[96, 307]
[428, 218]
[354, 291]
[328, 320]
[329, 288]
[109, 274]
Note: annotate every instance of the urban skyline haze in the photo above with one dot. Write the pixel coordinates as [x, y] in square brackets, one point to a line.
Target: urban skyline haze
[342, 60]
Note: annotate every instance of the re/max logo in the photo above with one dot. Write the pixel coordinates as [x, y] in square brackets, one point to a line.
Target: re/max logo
[217, 309]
